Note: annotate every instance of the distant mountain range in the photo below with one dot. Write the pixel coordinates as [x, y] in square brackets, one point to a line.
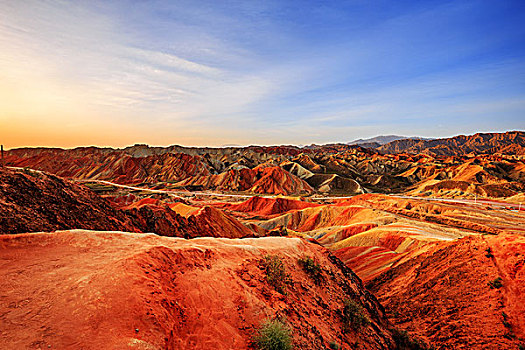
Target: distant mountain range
[511, 142]
[377, 141]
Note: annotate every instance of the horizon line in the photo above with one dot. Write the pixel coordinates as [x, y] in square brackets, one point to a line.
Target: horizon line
[256, 145]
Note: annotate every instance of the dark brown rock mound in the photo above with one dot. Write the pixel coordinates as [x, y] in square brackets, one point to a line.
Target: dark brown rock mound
[34, 201]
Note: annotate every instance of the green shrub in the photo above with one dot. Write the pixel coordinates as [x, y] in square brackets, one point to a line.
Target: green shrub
[273, 335]
[505, 320]
[334, 345]
[496, 283]
[489, 253]
[353, 315]
[276, 273]
[404, 342]
[311, 267]
[31, 172]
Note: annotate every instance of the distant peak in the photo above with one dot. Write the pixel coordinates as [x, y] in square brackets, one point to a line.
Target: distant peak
[380, 140]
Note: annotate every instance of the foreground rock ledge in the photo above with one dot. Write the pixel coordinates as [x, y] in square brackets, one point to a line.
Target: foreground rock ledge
[93, 290]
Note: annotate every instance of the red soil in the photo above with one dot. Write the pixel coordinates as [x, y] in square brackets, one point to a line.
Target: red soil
[443, 293]
[87, 290]
[269, 206]
[367, 261]
[187, 294]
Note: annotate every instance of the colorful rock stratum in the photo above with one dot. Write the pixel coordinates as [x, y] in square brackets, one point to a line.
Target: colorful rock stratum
[412, 244]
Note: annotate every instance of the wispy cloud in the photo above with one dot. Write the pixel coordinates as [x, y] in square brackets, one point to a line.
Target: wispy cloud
[84, 59]
[172, 62]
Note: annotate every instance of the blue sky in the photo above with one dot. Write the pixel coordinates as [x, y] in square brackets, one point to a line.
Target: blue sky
[257, 72]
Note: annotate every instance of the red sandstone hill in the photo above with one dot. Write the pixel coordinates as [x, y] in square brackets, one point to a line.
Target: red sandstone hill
[153, 215]
[371, 232]
[512, 142]
[94, 290]
[449, 293]
[183, 169]
[107, 164]
[274, 180]
[268, 206]
[426, 259]
[219, 224]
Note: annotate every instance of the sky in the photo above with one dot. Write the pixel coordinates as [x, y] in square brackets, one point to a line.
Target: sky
[214, 73]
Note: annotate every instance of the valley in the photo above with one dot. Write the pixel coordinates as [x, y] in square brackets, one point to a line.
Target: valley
[429, 243]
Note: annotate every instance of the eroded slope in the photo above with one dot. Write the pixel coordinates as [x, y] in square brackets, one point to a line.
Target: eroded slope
[449, 292]
[81, 289]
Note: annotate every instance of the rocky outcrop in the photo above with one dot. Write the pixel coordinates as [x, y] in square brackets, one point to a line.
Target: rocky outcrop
[35, 201]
